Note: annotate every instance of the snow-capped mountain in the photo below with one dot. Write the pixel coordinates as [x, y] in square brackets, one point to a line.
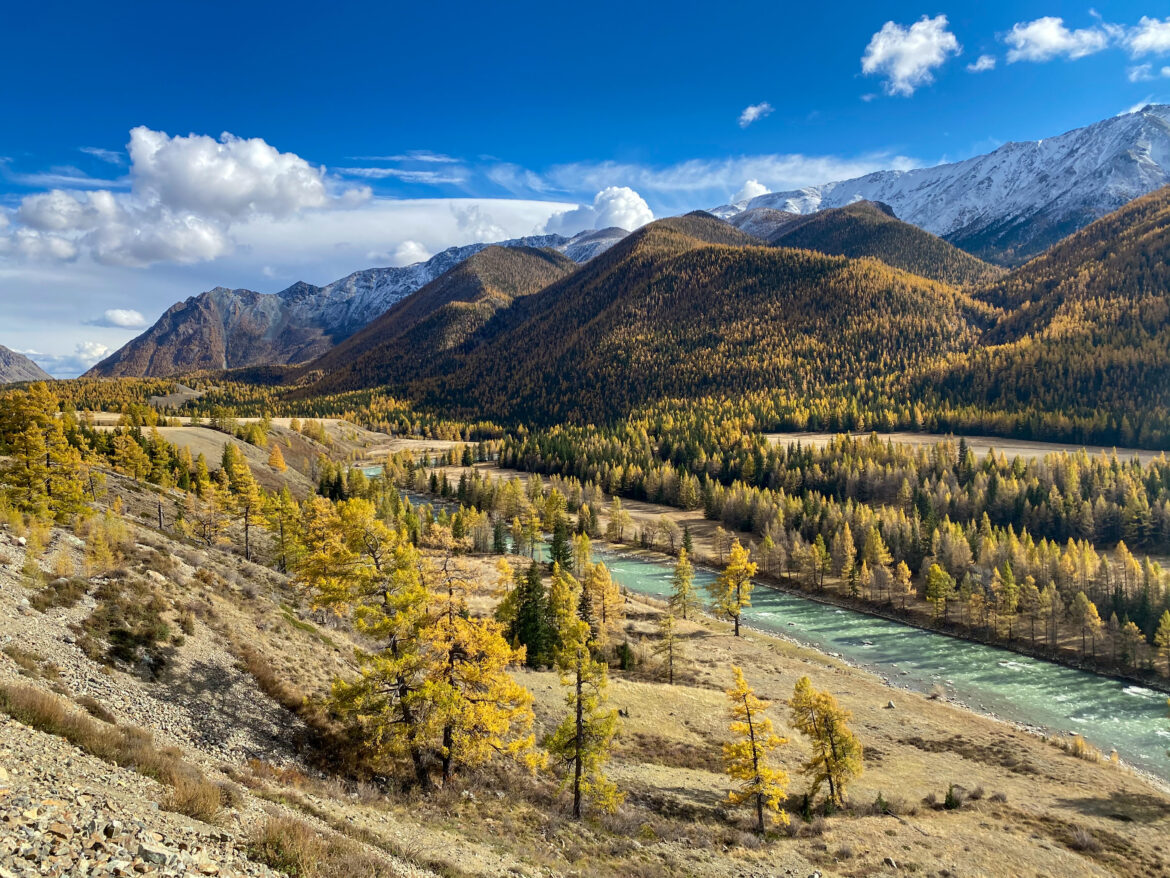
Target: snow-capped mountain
[1012, 203]
[231, 328]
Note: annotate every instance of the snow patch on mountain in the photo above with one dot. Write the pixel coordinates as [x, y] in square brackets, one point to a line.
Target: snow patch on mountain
[1016, 200]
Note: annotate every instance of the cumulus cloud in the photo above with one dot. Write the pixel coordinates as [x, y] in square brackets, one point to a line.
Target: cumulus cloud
[1047, 38]
[121, 318]
[85, 355]
[410, 252]
[908, 57]
[754, 112]
[231, 177]
[1150, 37]
[186, 193]
[982, 64]
[617, 206]
[750, 190]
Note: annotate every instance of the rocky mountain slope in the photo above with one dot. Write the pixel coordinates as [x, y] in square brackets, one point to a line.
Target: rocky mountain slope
[233, 328]
[16, 367]
[420, 331]
[1014, 202]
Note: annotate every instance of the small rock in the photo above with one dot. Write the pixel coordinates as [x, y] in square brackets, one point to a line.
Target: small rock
[889, 861]
[154, 854]
[889, 705]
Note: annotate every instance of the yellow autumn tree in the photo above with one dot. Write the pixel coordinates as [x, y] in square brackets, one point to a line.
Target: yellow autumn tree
[748, 759]
[580, 745]
[276, 459]
[836, 753]
[731, 591]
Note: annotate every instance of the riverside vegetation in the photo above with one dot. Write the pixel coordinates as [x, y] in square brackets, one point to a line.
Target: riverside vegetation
[446, 638]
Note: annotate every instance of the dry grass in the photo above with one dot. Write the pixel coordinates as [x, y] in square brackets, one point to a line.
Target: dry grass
[1078, 747]
[194, 797]
[301, 851]
[126, 746]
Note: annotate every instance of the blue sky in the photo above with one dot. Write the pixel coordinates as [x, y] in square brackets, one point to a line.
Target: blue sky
[378, 134]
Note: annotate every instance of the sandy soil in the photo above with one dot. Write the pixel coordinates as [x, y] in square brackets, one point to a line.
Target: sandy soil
[979, 444]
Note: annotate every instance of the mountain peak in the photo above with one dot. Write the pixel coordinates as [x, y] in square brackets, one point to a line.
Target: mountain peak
[1015, 201]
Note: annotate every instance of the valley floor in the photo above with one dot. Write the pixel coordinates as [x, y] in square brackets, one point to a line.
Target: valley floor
[1030, 808]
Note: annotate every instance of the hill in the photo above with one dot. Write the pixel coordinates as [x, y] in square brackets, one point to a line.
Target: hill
[1086, 329]
[420, 332]
[16, 367]
[690, 306]
[869, 229]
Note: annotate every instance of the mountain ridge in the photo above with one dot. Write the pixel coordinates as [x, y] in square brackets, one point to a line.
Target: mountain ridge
[225, 328]
[1014, 202]
[16, 367]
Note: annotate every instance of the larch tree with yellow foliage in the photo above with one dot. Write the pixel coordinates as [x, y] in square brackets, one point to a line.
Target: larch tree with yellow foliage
[731, 591]
[684, 601]
[580, 745]
[749, 758]
[836, 753]
[487, 713]
[276, 459]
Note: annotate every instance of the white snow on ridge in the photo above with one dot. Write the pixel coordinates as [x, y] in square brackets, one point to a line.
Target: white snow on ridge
[1069, 179]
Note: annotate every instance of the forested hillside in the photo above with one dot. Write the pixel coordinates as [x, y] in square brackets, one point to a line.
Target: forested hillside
[419, 332]
[867, 228]
[667, 313]
[1087, 330]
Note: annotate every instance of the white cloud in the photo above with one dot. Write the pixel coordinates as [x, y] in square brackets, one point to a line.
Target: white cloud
[1047, 38]
[229, 178]
[123, 318]
[432, 178]
[186, 193]
[1140, 73]
[907, 57]
[982, 64]
[109, 156]
[754, 112]
[421, 155]
[85, 354]
[410, 252]
[613, 206]
[751, 189]
[1150, 37]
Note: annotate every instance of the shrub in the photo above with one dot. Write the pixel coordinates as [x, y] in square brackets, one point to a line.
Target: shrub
[1082, 840]
[61, 592]
[954, 798]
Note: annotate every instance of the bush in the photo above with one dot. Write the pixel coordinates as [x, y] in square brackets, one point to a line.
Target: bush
[62, 592]
[1082, 840]
[954, 798]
